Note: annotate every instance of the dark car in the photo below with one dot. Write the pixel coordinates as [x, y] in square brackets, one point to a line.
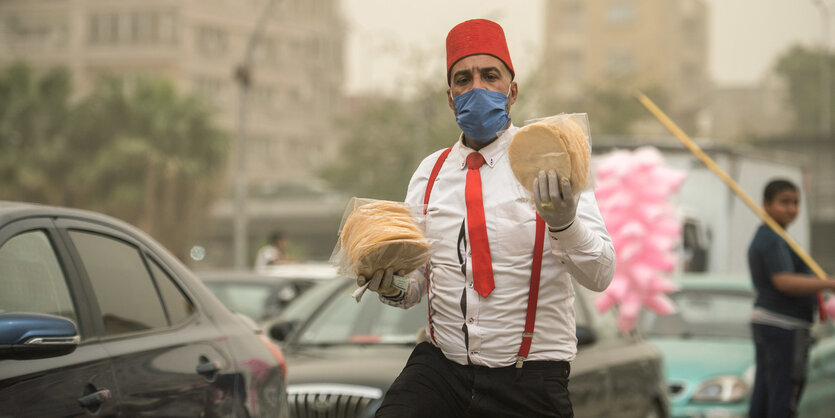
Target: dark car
[260, 295]
[345, 355]
[98, 319]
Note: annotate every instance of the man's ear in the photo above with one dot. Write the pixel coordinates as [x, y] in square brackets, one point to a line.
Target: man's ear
[514, 91]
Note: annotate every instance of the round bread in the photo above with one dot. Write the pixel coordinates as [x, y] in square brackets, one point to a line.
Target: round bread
[382, 235]
[544, 146]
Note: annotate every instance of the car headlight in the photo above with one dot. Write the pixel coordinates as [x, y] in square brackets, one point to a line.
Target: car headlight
[721, 389]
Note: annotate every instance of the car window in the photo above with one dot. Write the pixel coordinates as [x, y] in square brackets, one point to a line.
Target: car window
[343, 321]
[124, 289]
[31, 279]
[302, 306]
[703, 314]
[177, 305]
[249, 299]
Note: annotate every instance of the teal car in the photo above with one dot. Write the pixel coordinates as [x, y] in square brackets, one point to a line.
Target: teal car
[709, 355]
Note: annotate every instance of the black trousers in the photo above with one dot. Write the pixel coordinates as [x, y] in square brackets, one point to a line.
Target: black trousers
[782, 357]
[434, 387]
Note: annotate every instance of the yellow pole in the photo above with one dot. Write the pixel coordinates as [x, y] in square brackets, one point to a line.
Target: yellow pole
[694, 148]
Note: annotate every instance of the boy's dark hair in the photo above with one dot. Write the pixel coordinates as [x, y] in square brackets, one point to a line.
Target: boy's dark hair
[774, 187]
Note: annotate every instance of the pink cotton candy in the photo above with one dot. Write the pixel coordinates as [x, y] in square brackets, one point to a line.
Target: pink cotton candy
[633, 192]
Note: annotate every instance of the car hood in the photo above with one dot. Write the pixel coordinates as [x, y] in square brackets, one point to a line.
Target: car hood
[364, 365]
[697, 359]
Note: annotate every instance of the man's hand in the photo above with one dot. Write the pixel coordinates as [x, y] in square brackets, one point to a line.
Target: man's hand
[386, 283]
[555, 201]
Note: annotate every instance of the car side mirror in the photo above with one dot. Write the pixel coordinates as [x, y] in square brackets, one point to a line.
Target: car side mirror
[585, 335]
[27, 335]
[280, 330]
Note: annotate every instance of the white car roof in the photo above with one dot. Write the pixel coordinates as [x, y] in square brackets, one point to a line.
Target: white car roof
[321, 271]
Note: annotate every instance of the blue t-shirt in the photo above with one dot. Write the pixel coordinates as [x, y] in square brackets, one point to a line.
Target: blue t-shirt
[769, 254]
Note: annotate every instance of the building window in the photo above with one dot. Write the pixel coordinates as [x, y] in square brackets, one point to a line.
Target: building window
[211, 88]
[621, 13]
[620, 63]
[266, 51]
[139, 27]
[33, 32]
[103, 28]
[573, 17]
[573, 66]
[212, 42]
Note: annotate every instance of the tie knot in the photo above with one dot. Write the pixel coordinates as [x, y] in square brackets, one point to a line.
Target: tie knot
[475, 160]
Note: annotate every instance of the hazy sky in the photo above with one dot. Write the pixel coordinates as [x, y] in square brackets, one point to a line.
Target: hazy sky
[391, 41]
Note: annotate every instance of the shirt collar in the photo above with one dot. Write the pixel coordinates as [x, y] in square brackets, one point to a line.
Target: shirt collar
[492, 153]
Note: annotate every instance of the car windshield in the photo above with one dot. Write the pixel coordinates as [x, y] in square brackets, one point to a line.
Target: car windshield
[249, 299]
[703, 313]
[344, 321]
[304, 305]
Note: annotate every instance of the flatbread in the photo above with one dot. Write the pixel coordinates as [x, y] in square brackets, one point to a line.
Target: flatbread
[550, 145]
[382, 235]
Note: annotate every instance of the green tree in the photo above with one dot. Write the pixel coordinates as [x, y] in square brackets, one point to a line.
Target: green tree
[135, 149]
[386, 140]
[800, 68]
[34, 110]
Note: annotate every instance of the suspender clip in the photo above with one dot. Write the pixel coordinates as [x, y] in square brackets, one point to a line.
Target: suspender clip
[519, 361]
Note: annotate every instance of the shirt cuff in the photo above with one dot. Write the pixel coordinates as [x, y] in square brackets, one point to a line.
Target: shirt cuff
[575, 235]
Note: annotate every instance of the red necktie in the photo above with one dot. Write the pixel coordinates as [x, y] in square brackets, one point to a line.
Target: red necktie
[477, 227]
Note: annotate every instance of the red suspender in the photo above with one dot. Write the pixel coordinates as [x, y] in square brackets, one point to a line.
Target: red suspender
[533, 292]
[435, 170]
[536, 268]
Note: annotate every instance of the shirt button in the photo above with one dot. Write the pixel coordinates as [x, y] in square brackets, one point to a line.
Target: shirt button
[470, 321]
[470, 285]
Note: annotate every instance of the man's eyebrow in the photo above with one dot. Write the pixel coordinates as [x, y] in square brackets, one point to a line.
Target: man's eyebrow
[481, 70]
[461, 72]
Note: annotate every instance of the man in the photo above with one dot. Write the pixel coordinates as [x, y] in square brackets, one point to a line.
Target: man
[783, 309]
[273, 253]
[501, 325]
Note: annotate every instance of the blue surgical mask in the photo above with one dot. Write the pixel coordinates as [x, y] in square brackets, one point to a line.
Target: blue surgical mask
[481, 114]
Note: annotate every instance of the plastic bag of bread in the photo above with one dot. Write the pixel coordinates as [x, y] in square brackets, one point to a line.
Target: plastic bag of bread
[380, 234]
[561, 142]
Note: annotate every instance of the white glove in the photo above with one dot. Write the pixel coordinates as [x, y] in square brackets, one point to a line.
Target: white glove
[555, 202]
[386, 283]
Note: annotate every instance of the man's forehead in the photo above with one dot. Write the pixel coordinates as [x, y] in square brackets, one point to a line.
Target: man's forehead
[478, 63]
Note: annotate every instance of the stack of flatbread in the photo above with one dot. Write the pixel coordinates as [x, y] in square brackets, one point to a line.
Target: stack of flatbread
[557, 143]
[381, 235]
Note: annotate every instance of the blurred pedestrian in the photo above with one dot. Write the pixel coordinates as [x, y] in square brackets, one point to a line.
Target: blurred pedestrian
[494, 269]
[275, 252]
[783, 309]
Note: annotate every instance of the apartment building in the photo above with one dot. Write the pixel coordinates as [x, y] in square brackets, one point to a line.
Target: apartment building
[659, 44]
[297, 69]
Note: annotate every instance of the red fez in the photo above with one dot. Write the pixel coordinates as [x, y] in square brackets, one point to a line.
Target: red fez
[477, 36]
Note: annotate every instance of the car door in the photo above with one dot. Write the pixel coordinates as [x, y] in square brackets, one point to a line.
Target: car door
[168, 358]
[36, 276]
[632, 376]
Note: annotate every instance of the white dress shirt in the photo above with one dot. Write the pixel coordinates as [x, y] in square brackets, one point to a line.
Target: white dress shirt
[494, 324]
